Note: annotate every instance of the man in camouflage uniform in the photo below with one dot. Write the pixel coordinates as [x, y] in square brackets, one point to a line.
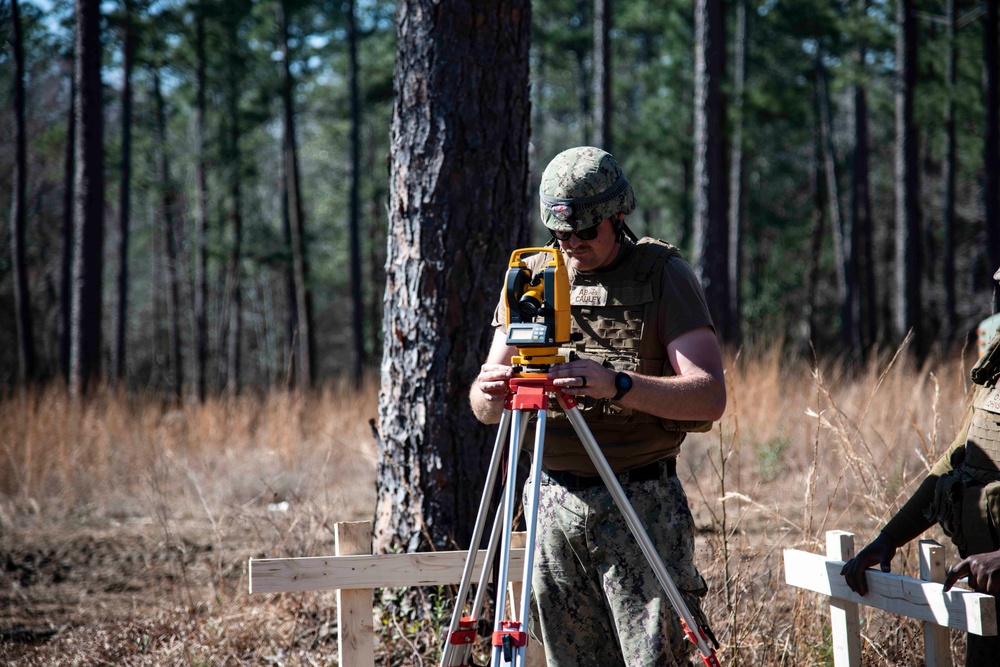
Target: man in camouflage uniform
[962, 494]
[648, 369]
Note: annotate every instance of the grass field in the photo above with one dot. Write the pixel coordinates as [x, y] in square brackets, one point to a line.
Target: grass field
[126, 523]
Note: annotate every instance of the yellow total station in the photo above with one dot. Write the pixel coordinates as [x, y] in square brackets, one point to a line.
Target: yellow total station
[537, 309]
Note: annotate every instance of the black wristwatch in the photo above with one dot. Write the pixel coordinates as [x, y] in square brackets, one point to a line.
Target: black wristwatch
[623, 383]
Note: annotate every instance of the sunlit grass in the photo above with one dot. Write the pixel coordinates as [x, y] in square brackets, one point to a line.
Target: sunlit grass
[803, 448]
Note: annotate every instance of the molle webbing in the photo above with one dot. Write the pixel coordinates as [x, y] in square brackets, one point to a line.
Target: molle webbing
[982, 447]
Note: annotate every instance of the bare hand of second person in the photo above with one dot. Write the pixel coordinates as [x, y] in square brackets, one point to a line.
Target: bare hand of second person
[983, 571]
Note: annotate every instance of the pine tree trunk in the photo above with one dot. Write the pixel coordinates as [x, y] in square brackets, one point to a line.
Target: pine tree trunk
[167, 210]
[66, 263]
[737, 211]
[908, 269]
[88, 202]
[818, 225]
[863, 261]
[235, 286]
[458, 205]
[296, 216]
[124, 205]
[991, 139]
[26, 357]
[602, 74]
[357, 304]
[711, 220]
[951, 164]
[201, 215]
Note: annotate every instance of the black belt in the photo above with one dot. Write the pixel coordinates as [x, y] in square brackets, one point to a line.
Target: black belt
[644, 473]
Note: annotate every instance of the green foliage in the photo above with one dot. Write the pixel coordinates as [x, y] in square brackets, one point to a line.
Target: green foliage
[652, 64]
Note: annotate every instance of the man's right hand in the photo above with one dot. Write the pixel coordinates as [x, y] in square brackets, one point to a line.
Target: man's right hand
[492, 381]
[880, 551]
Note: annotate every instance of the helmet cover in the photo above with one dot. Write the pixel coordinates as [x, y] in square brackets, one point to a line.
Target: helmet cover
[581, 187]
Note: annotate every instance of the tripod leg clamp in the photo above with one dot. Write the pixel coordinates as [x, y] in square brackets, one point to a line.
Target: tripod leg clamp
[465, 634]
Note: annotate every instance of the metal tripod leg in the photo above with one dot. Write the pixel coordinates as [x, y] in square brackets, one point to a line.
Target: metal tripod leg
[691, 626]
[459, 640]
[510, 637]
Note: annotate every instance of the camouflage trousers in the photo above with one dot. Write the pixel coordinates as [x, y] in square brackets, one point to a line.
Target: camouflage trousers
[595, 599]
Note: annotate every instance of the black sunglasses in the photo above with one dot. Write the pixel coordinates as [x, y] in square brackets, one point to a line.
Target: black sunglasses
[588, 234]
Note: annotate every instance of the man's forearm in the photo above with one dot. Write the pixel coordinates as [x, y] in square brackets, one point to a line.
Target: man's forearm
[487, 411]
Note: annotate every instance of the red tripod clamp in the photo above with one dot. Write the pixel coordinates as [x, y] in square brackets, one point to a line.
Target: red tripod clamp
[532, 393]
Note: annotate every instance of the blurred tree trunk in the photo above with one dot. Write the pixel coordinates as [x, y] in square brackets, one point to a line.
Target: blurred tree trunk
[842, 250]
[377, 240]
[66, 263]
[234, 287]
[818, 223]
[357, 304]
[201, 213]
[300, 261]
[445, 267]
[711, 221]
[88, 202]
[168, 205]
[26, 357]
[124, 202]
[907, 175]
[863, 264]
[737, 212]
[583, 85]
[951, 165]
[991, 137]
[602, 74]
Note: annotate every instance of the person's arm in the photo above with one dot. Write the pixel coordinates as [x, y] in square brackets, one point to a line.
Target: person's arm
[488, 391]
[696, 392]
[906, 524]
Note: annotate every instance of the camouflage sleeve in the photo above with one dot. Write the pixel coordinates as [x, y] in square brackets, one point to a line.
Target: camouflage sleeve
[910, 521]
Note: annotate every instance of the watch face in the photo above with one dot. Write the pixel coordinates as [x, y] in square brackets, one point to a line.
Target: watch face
[623, 382]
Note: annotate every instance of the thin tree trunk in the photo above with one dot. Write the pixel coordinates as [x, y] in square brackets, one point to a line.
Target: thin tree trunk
[201, 215]
[862, 263]
[124, 204]
[442, 260]
[235, 307]
[736, 170]
[66, 264]
[907, 160]
[582, 80]
[27, 360]
[88, 204]
[991, 139]
[951, 164]
[841, 239]
[167, 210]
[711, 220]
[300, 261]
[818, 226]
[357, 305]
[602, 74]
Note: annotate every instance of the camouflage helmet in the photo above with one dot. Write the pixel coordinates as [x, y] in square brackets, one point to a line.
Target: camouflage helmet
[581, 187]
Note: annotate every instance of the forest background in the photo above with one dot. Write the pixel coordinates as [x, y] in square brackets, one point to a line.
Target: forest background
[220, 183]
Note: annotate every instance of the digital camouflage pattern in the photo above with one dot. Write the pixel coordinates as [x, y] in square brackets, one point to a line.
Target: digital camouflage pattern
[590, 573]
[581, 187]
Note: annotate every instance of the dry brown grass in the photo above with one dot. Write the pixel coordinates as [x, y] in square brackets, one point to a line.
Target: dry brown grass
[172, 499]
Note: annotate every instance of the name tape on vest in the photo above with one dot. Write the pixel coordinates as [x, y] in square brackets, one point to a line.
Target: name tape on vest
[588, 295]
[992, 402]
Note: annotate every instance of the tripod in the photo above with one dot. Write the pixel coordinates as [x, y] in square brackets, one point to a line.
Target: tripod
[529, 393]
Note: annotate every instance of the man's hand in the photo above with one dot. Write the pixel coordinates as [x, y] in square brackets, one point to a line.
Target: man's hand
[492, 382]
[983, 571]
[584, 377]
[880, 551]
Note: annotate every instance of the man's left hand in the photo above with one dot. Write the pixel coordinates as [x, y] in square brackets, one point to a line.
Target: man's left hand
[983, 571]
[584, 377]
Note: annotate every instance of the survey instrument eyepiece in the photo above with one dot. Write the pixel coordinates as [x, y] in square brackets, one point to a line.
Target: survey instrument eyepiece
[537, 308]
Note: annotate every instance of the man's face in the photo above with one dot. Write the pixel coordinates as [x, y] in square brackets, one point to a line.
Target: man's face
[595, 253]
